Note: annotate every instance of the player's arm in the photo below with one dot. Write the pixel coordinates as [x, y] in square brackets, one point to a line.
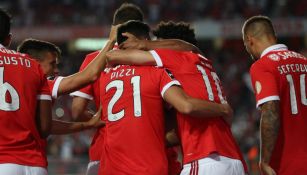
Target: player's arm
[44, 117]
[62, 127]
[79, 109]
[269, 127]
[195, 107]
[91, 72]
[174, 44]
[130, 57]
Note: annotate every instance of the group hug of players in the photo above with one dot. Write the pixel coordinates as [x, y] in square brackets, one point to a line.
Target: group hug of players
[141, 85]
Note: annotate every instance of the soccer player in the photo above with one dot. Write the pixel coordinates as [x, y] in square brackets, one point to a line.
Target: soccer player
[82, 97]
[131, 98]
[279, 80]
[47, 54]
[208, 144]
[25, 109]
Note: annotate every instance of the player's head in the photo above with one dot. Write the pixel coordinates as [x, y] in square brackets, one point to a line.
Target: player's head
[5, 27]
[137, 28]
[126, 12]
[258, 33]
[172, 30]
[46, 53]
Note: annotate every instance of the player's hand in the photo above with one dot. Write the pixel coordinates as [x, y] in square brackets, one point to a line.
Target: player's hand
[172, 138]
[132, 42]
[113, 33]
[96, 121]
[265, 169]
[228, 113]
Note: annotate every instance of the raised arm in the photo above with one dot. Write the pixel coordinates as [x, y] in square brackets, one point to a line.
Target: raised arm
[269, 127]
[196, 107]
[91, 72]
[174, 44]
[130, 57]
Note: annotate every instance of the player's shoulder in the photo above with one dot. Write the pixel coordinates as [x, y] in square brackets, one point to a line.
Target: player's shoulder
[266, 62]
[89, 57]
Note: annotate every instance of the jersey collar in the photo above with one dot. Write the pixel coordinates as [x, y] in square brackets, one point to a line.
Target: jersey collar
[274, 47]
[1, 46]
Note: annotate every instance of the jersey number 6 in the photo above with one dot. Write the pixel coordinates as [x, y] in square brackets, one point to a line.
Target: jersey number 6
[5, 87]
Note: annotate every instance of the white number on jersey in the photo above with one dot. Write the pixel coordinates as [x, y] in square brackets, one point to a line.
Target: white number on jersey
[119, 85]
[293, 100]
[4, 88]
[208, 85]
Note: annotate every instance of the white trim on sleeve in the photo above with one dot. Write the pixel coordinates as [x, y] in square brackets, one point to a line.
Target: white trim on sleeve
[157, 58]
[81, 94]
[43, 97]
[56, 87]
[266, 99]
[168, 85]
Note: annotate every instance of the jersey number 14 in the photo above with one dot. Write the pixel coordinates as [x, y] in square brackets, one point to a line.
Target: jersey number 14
[293, 99]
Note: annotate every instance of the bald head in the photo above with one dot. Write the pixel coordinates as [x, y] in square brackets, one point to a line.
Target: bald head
[259, 27]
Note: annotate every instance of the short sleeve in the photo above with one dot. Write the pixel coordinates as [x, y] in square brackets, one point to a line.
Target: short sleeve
[166, 58]
[54, 86]
[44, 91]
[167, 81]
[264, 84]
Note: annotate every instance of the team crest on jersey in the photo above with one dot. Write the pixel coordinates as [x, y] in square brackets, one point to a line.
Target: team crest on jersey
[258, 87]
[274, 57]
[170, 74]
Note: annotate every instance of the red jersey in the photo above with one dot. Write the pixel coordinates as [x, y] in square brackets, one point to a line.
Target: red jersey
[199, 137]
[54, 86]
[22, 83]
[91, 92]
[280, 74]
[132, 104]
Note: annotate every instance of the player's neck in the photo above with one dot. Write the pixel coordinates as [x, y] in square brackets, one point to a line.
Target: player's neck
[264, 45]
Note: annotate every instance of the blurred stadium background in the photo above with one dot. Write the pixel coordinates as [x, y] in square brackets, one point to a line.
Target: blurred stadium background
[79, 27]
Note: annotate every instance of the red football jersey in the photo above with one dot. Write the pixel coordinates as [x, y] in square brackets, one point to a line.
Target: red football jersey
[54, 86]
[22, 83]
[199, 137]
[91, 92]
[280, 74]
[132, 103]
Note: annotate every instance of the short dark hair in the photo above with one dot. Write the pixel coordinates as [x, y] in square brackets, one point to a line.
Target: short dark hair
[258, 26]
[172, 30]
[35, 48]
[5, 25]
[126, 12]
[137, 28]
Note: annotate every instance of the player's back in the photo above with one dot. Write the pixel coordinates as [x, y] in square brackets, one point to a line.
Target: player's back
[133, 106]
[289, 70]
[199, 137]
[21, 82]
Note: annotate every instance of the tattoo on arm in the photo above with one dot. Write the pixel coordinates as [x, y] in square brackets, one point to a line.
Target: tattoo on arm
[269, 127]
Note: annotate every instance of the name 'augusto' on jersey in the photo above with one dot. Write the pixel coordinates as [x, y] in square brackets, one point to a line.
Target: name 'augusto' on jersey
[13, 58]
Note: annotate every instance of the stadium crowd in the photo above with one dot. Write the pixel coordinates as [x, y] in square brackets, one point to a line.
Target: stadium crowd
[91, 12]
